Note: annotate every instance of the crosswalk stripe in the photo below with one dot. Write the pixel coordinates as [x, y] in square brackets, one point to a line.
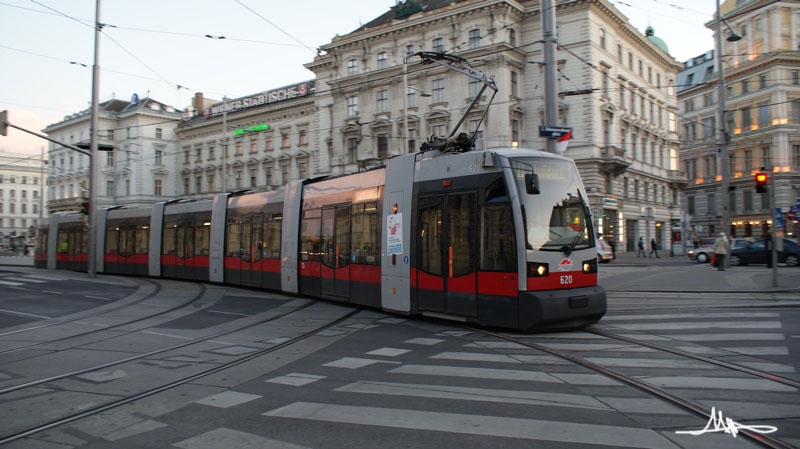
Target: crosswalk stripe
[717, 383]
[596, 347]
[672, 316]
[649, 363]
[760, 350]
[18, 279]
[11, 284]
[475, 394]
[703, 325]
[477, 373]
[530, 429]
[724, 337]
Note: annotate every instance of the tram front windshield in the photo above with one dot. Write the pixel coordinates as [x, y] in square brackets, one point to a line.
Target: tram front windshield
[557, 216]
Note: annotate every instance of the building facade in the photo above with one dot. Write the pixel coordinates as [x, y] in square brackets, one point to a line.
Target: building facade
[272, 138]
[22, 196]
[616, 90]
[140, 169]
[762, 120]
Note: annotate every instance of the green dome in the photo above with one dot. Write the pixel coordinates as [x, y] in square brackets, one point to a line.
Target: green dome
[656, 40]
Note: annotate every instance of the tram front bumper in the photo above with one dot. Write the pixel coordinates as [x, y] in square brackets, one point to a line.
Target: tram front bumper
[561, 309]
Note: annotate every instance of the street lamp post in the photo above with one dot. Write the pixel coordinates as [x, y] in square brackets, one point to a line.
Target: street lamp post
[91, 260]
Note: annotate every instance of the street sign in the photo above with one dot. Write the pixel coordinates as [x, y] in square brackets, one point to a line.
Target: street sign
[553, 132]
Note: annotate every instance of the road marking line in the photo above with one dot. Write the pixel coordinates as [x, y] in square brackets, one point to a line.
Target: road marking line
[167, 335]
[11, 284]
[33, 315]
[228, 313]
[98, 297]
[530, 429]
[35, 281]
[51, 291]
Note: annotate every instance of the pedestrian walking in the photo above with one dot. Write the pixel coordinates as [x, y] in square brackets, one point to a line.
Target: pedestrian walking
[721, 247]
[641, 248]
[653, 248]
[613, 249]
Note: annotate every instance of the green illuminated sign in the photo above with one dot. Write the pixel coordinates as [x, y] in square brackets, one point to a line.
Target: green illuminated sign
[251, 129]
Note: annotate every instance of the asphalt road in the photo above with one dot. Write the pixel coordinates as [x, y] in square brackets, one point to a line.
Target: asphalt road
[267, 370]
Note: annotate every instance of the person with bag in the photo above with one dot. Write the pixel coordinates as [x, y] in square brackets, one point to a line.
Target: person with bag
[720, 250]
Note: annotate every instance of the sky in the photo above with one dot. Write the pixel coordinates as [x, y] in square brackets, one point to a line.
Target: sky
[150, 47]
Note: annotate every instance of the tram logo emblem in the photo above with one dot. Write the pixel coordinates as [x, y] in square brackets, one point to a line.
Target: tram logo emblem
[565, 265]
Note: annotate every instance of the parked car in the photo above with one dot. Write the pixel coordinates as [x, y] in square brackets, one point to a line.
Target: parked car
[604, 252]
[756, 253]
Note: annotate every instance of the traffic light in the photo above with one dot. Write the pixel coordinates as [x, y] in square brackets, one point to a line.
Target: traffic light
[84, 210]
[761, 182]
[3, 123]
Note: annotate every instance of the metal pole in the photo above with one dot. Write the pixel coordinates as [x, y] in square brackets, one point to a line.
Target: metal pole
[41, 193]
[549, 37]
[224, 180]
[92, 269]
[405, 110]
[774, 253]
[723, 136]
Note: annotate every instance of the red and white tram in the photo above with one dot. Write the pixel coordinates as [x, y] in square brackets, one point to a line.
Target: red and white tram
[500, 237]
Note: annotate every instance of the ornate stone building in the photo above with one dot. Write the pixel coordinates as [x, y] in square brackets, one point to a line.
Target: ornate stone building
[762, 94]
[616, 89]
[271, 139]
[140, 169]
[21, 197]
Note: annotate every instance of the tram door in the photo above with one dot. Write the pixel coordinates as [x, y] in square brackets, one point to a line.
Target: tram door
[251, 243]
[336, 244]
[184, 244]
[446, 254]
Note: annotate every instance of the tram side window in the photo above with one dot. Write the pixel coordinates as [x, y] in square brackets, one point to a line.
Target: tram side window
[461, 219]
[111, 241]
[232, 248]
[430, 236]
[63, 242]
[142, 239]
[202, 237]
[83, 236]
[271, 247]
[364, 243]
[168, 245]
[498, 243]
[310, 243]
[245, 247]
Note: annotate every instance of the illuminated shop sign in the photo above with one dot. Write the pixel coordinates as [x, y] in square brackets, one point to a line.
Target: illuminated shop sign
[251, 129]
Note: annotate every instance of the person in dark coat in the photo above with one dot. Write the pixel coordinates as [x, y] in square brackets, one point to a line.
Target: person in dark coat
[653, 248]
[641, 248]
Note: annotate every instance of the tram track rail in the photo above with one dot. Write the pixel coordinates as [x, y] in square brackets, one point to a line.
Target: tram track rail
[90, 314]
[195, 298]
[153, 391]
[681, 402]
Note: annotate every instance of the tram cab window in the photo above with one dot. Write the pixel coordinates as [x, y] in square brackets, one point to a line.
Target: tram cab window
[498, 242]
[63, 242]
[233, 248]
[271, 245]
[111, 241]
[310, 243]
[364, 241]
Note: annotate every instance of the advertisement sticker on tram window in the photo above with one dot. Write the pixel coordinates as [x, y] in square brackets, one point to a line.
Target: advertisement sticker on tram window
[394, 234]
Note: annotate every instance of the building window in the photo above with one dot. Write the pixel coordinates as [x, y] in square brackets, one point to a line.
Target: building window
[109, 188]
[186, 157]
[762, 81]
[285, 173]
[198, 184]
[474, 38]
[352, 150]
[745, 86]
[763, 114]
[302, 137]
[238, 148]
[514, 84]
[748, 160]
[158, 157]
[796, 155]
[411, 100]
[352, 107]
[253, 146]
[186, 186]
[382, 61]
[238, 177]
[302, 169]
[269, 145]
[746, 118]
[268, 175]
[198, 154]
[765, 158]
[382, 101]
[410, 52]
[109, 159]
[438, 91]
[157, 188]
[159, 133]
[352, 67]
[515, 131]
[438, 45]
[24, 209]
[602, 38]
[211, 153]
[210, 177]
[512, 37]
[284, 139]
[110, 134]
[690, 205]
[35, 209]
[253, 177]
[474, 87]
[383, 146]
[795, 76]
[619, 53]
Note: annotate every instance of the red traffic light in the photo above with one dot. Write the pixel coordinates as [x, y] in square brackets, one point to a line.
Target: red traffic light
[761, 177]
[761, 182]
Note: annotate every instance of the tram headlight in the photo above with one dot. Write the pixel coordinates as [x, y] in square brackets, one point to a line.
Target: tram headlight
[536, 269]
[590, 266]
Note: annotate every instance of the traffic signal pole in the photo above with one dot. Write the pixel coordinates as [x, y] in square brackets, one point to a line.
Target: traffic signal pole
[774, 253]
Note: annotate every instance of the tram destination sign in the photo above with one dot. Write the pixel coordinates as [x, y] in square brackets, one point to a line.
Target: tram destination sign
[271, 96]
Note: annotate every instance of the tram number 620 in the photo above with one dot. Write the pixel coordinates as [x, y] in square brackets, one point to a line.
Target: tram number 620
[566, 279]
